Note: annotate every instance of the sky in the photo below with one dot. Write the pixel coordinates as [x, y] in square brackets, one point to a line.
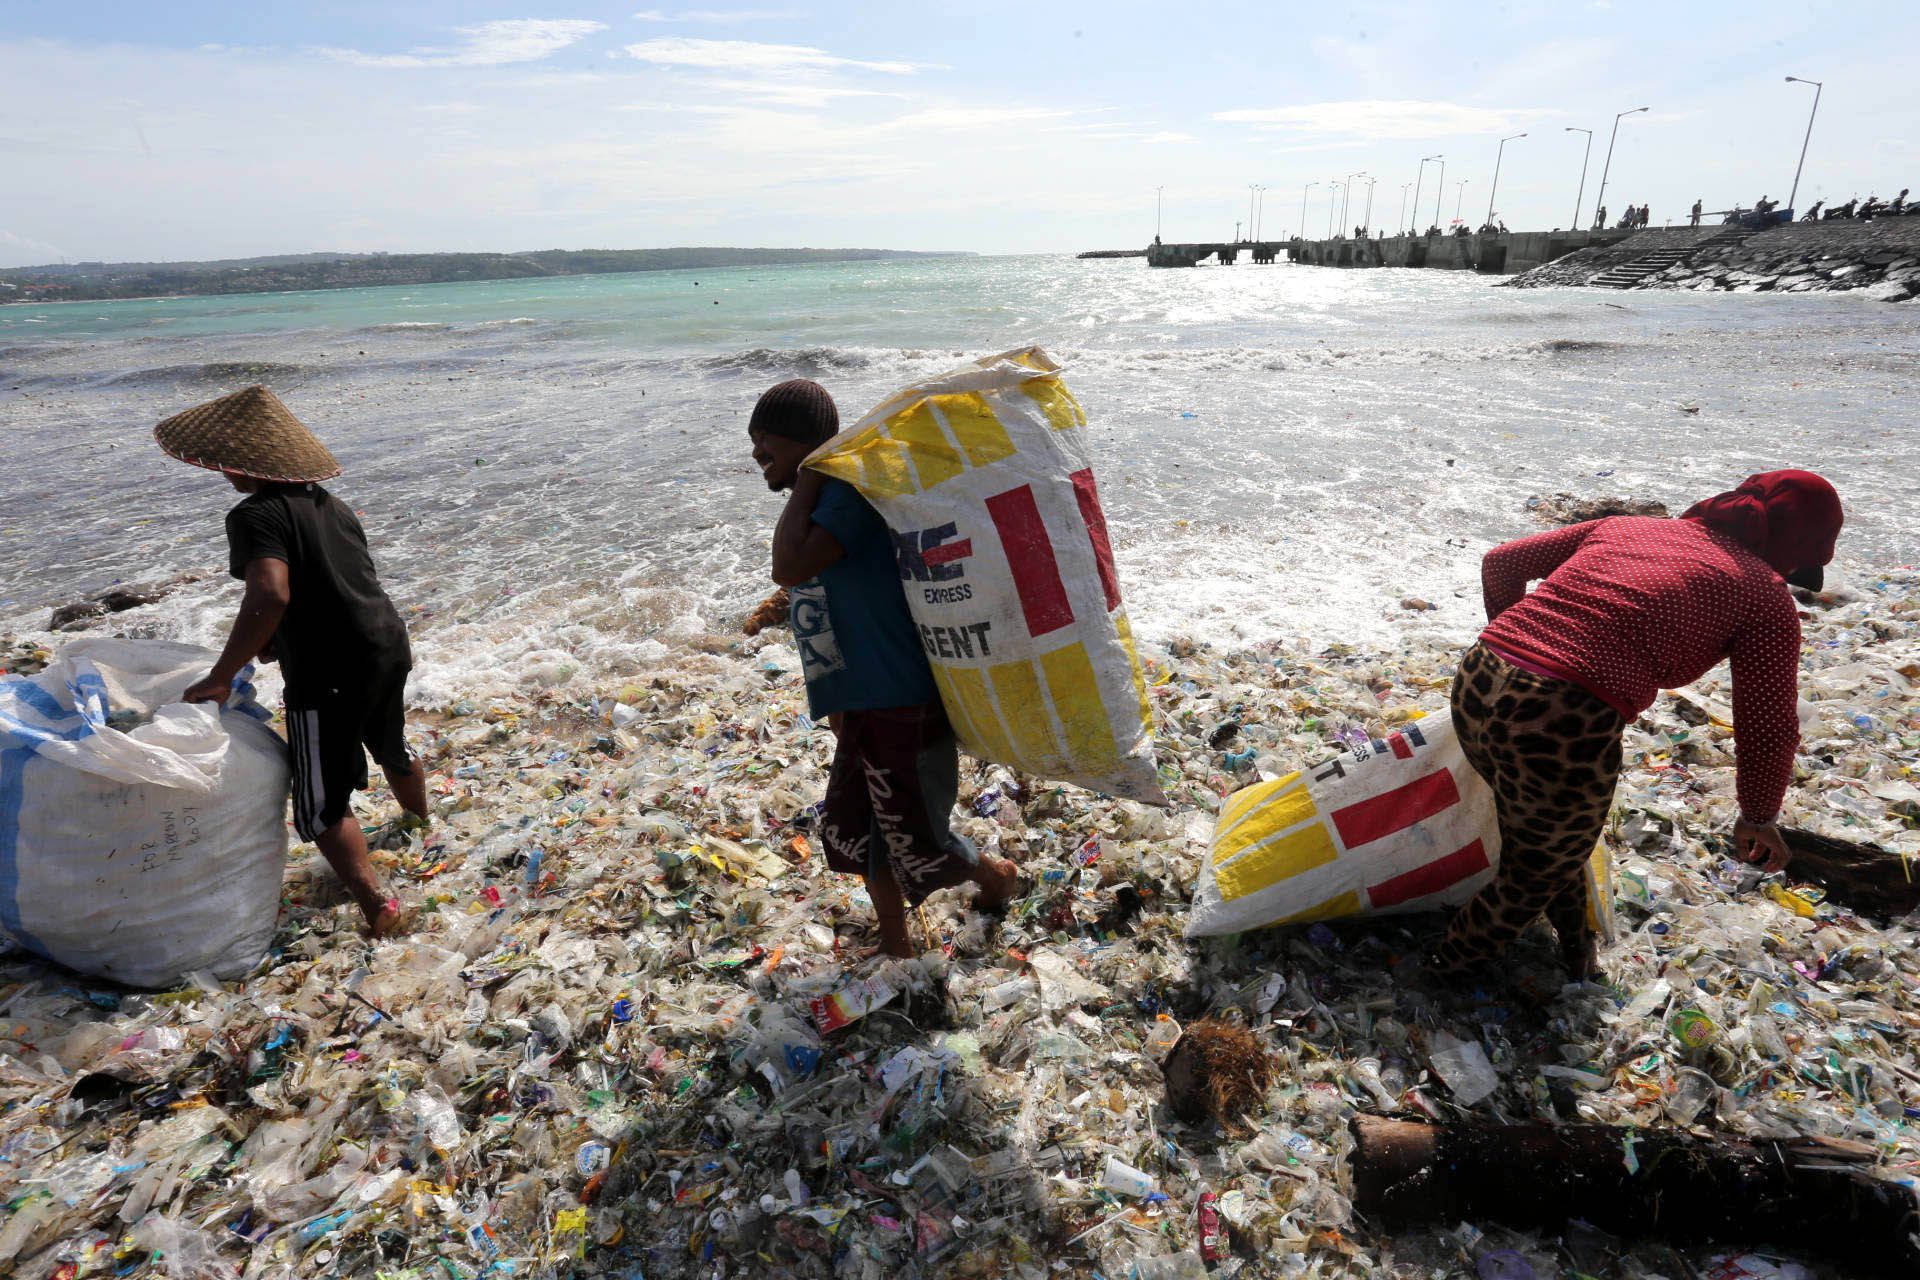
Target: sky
[190, 129]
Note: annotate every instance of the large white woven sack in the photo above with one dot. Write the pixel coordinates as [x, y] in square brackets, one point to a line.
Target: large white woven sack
[144, 855]
[985, 477]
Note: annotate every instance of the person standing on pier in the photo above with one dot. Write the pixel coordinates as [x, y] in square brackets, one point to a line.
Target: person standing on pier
[1629, 606]
[1694, 217]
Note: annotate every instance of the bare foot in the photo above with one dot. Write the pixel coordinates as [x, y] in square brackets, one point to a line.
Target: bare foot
[890, 912]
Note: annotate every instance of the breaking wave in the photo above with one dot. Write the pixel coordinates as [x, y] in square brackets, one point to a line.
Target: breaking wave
[803, 362]
[217, 371]
[1574, 346]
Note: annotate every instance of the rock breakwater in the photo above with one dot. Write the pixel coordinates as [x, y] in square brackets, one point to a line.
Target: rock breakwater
[1881, 256]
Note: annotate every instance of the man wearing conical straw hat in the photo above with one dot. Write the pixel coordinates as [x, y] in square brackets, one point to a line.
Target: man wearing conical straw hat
[313, 600]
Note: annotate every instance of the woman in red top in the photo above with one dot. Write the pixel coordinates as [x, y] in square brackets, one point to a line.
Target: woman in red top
[1630, 605]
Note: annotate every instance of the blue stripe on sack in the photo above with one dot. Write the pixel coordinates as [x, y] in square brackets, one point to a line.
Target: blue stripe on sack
[13, 794]
[22, 742]
[13, 768]
[90, 698]
[28, 737]
[36, 698]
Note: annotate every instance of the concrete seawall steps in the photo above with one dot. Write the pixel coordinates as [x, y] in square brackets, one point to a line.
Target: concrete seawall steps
[1630, 273]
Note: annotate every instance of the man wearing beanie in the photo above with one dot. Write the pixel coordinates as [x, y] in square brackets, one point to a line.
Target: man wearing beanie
[896, 766]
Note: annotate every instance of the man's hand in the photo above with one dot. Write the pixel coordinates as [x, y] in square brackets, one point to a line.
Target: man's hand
[1754, 840]
[211, 689]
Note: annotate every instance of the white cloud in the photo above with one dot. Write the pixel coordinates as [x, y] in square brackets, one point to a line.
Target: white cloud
[947, 119]
[491, 44]
[750, 56]
[716, 17]
[22, 248]
[1375, 118]
[792, 91]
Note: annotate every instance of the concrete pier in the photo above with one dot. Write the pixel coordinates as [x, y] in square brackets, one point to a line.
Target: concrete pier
[1192, 255]
[1879, 255]
[1501, 254]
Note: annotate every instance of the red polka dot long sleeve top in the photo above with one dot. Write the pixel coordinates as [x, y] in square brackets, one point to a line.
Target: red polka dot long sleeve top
[1631, 605]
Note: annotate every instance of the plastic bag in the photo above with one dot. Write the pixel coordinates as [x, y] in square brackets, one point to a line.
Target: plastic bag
[985, 478]
[1395, 824]
[146, 852]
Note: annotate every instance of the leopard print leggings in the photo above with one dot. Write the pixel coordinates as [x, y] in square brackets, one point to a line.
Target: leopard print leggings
[1551, 752]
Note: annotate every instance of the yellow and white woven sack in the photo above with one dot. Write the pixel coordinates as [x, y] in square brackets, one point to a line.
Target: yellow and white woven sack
[985, 477]
[1400, 823]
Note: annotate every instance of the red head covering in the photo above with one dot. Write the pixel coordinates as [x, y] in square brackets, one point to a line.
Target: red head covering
[1791, 518]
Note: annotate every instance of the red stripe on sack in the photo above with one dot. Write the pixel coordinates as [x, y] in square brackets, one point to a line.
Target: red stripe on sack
[1396, 810]
[948, 552]
[1402, 749]
[1432, 878]
[1023, 536]
[1089, 500]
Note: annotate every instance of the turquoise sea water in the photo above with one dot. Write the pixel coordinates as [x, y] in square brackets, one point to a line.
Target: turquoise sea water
[555, 476]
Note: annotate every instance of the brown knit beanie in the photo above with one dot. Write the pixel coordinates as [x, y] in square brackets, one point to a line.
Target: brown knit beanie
[798, 410]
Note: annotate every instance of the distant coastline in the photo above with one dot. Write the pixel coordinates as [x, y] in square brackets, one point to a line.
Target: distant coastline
[99, 281]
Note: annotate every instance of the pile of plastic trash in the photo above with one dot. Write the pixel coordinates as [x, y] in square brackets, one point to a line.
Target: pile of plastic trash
[634, 1033]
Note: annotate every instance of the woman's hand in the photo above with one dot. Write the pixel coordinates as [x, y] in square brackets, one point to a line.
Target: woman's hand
[1753, 840]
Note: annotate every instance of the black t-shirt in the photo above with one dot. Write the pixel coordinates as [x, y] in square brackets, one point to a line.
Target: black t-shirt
[339, 627]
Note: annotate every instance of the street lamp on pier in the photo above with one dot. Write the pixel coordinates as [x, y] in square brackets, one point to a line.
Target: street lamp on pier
[1344, 198]
[1440, 189]
[1303, 208]
[1400, 224]
[1817, 86]
[1366, 222]
[1497, 157]
[1599, 201]
[1582, 191]
[1418, 178]
[1459, 195]
[1330, 186]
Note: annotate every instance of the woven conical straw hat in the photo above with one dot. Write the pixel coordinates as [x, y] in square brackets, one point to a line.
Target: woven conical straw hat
[249, 433]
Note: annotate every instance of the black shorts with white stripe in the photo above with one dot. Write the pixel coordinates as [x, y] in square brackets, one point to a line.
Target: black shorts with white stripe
[329, 742]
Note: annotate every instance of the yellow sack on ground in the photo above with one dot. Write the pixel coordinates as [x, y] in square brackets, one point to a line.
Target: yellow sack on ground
[1599, 879]
[985, 478]
[1401, 823]
[1396, 824]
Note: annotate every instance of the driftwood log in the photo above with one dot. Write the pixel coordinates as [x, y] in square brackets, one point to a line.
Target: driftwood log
[1809, 1195]
[1861, 877]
